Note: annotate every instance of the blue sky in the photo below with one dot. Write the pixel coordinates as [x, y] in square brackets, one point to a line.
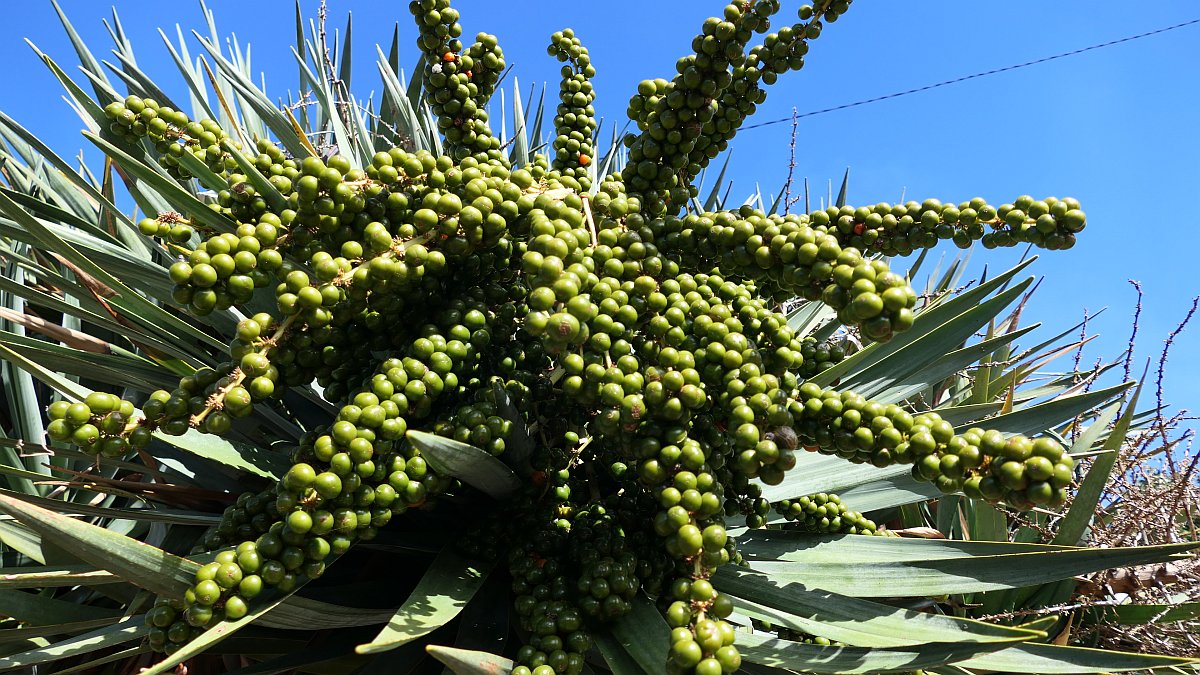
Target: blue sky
[1115, 128]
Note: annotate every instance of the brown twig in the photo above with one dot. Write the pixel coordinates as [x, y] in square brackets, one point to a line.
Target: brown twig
[787, 186]
[1162, 364]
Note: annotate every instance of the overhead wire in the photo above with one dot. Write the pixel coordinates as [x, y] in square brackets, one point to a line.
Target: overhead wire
[974, 76]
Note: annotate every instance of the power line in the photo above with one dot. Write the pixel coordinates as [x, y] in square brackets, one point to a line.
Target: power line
[974, 75]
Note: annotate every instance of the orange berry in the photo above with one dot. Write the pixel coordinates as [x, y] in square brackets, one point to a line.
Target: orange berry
[584, 160]
[448, 57]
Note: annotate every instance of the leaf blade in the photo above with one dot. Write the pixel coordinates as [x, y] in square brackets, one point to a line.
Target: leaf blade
[132, 560]
[442, 593]
[466, 462]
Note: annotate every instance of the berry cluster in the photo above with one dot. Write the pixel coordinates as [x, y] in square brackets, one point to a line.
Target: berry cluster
[478, 423]
[575, 120]
[823, 513]
[780, 52]
[639, 348]
[819, 356]
[669, 152]
[171, 132]
[900, 229]
[101, 424]
[983, 464]
[458, 83]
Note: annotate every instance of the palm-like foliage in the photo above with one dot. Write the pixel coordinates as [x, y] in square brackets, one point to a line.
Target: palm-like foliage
[87, 305]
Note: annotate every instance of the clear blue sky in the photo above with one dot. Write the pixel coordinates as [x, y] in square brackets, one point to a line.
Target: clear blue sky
[1115, 128]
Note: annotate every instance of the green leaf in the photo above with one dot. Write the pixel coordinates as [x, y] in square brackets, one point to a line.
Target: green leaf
[1073, 526]
[24, 409]
[130, 629]
[22, 540]
[1048, 659]
[115, 368]
[855, 622]
[134, 561]
[888, 493]
[343, 56]
[948, 516]
[936, 346]
[407, 119]
[883, 578]
[54, 214]
[467, 463]
[299, 613]
[245, 457]
[519, 155]
[644, 635]
[536, 141]
[386, 122]
[1037, 418]
[128, 299]
[72, 628]
[714, 196]
[291, 658]
[86, 104]
[815, 473]
[47, 576]
[200, 107]
[519, 446]
[843, 660]
[63, 385]
[927, 321]
[986, 522]
[947, 365]
[1136, 615]
[144, 514]
[353, 153]
[619, 661]
[40, 610]
[467, 662]
[783, 545]
[449, 583]
[87, 61]
[90, 666]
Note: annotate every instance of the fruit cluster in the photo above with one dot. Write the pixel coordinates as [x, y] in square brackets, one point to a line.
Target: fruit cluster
[899, 229]
[575, 118]
[458, 83]
[672, 116]
[640, 347]
[789, 257]
[820, 356]
[823, 513]
[171, 133]
[983, 464]
[478, 423]
[101, 424]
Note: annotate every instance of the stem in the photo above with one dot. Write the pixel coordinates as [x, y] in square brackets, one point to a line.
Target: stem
[398, 247]
[217, 400]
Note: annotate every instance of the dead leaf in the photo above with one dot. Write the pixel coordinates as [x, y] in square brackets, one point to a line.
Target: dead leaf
[71, 338]
[919, 533]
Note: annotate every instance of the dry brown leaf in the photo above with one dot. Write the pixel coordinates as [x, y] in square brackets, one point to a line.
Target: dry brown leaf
[71, 338]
